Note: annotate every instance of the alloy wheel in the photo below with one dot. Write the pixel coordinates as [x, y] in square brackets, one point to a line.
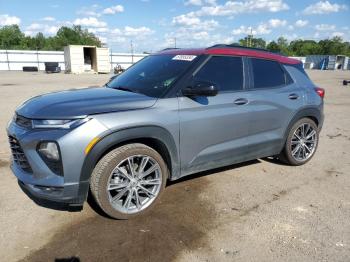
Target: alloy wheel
[134, 184]
[304, 142]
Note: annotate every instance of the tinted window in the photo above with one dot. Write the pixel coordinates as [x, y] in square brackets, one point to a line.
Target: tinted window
[153, 75]
[267, 73]
[226, 72]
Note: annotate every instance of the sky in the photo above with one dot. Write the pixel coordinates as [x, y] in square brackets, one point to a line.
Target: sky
[152, 25]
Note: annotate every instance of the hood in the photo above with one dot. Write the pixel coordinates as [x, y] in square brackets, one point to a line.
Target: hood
[82, 102]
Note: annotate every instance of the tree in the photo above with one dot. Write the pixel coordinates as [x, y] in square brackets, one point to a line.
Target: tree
[283, 45]
[74, 36]
[304, 47]
[255, 42]
[10, 37]
[273, 47]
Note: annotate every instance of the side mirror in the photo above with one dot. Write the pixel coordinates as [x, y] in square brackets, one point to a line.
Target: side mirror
[201, 89]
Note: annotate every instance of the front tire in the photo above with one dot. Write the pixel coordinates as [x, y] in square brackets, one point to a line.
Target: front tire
[129, 180]
[301, 143]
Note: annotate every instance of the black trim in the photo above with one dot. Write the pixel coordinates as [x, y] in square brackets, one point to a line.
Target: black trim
[251, 72]
[183, 80]
[54, 165]
[308, 111]
[118, 137]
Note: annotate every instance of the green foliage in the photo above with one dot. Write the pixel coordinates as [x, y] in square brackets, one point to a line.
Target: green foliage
[273, 47]
[11, 37]
[299, 47]
[253, 42]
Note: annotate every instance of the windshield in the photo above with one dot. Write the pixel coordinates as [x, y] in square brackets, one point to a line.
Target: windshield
[153, 75]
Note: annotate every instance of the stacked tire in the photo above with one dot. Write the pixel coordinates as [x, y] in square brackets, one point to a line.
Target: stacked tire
[52, 67]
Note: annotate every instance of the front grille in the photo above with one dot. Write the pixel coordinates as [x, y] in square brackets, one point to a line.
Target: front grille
[23, 121]
[18, 155]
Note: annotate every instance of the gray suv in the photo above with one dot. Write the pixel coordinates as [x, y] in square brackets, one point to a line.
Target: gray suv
[174, 113]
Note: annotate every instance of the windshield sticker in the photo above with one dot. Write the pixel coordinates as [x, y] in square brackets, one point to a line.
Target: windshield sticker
[184, 57]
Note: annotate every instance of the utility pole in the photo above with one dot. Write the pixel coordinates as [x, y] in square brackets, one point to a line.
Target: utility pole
[250, 37]
[175, 41]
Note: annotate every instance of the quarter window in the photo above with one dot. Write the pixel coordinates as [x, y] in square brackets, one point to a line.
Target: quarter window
[224, 71]
[267, 73]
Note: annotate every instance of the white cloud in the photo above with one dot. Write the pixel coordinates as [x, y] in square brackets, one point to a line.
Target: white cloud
[239, 7]
[9, 20]
[325, 27]
[194, 23]
[48, 18]
[89, 22]
[51, 30]
[277, 23]
[200, 2]
[193, 2]
[92, 10]
[323, 7]
[128, 31]
[186, 20]
[301, 23]
[35, 28]
[98, 30]
[140, 31]
[340, 34]
[203, 35]
[113, 10]
[261, 29]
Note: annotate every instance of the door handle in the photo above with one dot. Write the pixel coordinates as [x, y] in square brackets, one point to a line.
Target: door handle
[293, 96]
[241, 101]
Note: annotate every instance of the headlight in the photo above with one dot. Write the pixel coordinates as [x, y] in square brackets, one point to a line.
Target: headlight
[62, 124]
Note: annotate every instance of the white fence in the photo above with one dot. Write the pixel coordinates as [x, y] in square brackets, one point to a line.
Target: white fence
[16, 59]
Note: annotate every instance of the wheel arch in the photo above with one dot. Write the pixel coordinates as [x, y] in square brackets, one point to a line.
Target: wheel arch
[155, 137]
[313, 113]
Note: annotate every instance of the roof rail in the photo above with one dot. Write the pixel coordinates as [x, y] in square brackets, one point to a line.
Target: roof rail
[170, 48]
[238, 46]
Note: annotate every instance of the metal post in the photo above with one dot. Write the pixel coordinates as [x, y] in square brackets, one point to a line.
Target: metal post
[111, 60]
[8, 62]
[37, 58]
[132, 52]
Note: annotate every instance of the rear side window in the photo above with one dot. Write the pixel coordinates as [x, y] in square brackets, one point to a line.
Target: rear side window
[224, 71]
[267, 73]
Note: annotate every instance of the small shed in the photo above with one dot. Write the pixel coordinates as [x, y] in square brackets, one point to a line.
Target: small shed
[86, 59]
[328, 62]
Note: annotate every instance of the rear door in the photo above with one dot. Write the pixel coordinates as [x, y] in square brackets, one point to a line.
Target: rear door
[213, 130]
[273, 100]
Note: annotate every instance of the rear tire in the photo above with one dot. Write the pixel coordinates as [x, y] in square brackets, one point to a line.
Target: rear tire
[129, 180]
[301, 143]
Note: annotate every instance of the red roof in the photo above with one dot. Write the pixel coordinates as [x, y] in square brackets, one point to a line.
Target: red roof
[232, 51]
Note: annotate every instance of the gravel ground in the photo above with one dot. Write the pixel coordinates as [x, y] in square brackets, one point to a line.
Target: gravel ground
[256, 211]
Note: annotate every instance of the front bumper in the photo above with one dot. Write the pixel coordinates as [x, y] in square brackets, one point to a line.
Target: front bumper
[41, 182]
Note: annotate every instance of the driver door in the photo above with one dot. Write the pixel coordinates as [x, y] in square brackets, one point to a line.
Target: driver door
[213, 129]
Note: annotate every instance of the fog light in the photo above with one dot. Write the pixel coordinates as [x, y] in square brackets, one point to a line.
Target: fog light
[49, 150]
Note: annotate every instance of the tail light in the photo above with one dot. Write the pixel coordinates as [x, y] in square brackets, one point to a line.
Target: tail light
[320, 91]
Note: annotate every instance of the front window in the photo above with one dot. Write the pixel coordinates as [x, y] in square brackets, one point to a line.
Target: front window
[153, 75]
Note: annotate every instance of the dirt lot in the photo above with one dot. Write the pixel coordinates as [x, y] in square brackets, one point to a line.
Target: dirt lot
[256, 211]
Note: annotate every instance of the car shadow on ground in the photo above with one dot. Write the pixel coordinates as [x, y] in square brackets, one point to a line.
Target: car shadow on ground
[178, 223]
